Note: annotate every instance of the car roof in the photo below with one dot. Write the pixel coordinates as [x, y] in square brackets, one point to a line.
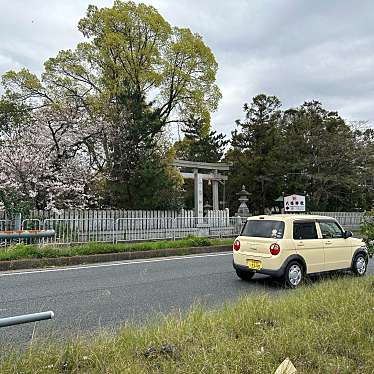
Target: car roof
[290, 217]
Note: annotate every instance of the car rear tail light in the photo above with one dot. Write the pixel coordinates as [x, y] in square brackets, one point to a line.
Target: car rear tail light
[275, 249]
[236, 245]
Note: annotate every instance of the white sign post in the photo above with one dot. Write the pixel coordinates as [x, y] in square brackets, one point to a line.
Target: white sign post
[294, 203]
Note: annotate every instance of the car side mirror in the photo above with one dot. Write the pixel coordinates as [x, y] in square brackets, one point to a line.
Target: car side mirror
[347, 234]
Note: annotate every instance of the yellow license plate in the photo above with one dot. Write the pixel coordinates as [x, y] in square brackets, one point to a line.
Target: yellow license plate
[254, 264]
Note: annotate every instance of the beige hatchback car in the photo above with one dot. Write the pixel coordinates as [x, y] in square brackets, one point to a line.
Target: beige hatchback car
[290, 246]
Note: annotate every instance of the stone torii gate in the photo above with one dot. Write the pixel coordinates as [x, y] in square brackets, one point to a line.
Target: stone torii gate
[213, 168]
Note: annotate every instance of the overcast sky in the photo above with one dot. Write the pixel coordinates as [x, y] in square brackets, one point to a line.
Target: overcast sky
[297, 50]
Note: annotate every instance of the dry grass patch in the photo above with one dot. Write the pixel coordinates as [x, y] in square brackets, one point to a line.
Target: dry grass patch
[325, 327]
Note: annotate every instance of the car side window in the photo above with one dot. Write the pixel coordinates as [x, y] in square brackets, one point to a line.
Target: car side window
[330, 230]
[304, 230]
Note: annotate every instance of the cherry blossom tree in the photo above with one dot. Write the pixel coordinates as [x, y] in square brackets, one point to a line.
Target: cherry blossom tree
[42, 163]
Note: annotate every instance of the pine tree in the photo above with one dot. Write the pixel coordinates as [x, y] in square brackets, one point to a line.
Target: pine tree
[200, 144]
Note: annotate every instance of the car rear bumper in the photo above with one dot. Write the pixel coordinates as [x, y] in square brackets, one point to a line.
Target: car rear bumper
[273, 273]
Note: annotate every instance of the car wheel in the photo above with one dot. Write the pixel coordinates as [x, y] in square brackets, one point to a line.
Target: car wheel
[245, 275]
[293, 275]
[359, 266]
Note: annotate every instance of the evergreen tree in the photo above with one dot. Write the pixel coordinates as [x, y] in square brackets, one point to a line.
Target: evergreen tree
[139, 174]
[307, 148]
[200, 144]
[253, 153]
[320, 156]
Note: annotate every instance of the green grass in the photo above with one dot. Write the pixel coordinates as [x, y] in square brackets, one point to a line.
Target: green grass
[22, 251]
[325, 327]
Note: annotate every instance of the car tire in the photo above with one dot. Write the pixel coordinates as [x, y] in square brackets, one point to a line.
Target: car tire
[360, 264]
[293, 275]
[245, 275]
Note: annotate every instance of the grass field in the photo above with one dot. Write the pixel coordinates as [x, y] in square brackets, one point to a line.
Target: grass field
[21, 251]
[324, 327]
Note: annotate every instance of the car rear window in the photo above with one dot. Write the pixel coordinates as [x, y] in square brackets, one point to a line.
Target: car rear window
[263, 229]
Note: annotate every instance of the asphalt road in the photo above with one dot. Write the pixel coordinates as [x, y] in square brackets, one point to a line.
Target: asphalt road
[104, 296]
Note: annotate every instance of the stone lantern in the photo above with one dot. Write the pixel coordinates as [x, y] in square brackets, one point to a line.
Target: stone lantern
[207, 207]
[243, 210]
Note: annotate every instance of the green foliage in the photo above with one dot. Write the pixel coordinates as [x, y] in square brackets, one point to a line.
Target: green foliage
[319, 162]
[253, 152]
[200, 242]
[14, 202]
[22, 86]
[199, 143]
[153, 183]
[324, 328]
[301, 150]
[365, 150]
[367, 230]
[131, 45]
[127, 41]
[12, 116]
[138, 170]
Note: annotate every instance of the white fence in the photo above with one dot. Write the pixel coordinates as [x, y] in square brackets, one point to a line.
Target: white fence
[114, 226]
[93, 214]
[110, 230]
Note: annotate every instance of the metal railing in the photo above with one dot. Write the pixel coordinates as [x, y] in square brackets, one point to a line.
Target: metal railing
[109, 230]
[26, 318]
[76, 231]
[7, 225]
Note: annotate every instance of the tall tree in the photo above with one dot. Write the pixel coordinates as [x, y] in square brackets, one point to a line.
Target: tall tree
[304, 149]
[253, 152]
[137, 156]
[365, 164]
[320, 153]
[31, 172]
[199, 143]
[133, 76]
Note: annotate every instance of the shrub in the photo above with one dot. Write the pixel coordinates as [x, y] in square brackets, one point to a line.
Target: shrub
[201, 242]
[367, 230]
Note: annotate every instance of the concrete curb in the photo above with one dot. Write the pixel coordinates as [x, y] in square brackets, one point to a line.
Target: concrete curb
[33, 263]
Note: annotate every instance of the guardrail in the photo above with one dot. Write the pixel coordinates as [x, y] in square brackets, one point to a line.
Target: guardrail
[77, 231]
[26, 318]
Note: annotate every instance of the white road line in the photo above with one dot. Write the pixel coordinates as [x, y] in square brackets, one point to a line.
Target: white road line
[128, 262]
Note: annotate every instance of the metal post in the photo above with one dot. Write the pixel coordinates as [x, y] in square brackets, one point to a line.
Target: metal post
[26, 318]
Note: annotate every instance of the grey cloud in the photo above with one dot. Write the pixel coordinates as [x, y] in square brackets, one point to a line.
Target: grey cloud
[298, 50]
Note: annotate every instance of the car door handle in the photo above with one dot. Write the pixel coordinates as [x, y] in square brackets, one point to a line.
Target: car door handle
[328, 242]
[300, 245]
